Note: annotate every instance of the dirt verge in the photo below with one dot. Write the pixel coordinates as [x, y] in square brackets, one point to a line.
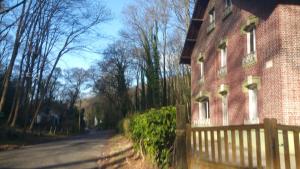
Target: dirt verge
[120, 154]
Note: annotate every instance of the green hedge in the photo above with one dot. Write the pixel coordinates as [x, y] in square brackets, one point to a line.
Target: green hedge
[153, 132]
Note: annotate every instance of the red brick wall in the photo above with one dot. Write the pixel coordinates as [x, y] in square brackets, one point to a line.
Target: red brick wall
[277, 41]
[290, 53]
[269, 45]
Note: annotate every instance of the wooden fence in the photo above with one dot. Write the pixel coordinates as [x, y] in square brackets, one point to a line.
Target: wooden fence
[268, 145]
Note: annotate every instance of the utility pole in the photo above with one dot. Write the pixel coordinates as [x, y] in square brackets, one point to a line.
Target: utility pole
[79, 115]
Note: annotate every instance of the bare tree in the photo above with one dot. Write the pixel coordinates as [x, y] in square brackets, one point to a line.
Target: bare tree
[143, 27]
[113, 82]
[159, 28]
[75, 78]
[4, 10]
[19, 33]
[43, 32]
[77, 24]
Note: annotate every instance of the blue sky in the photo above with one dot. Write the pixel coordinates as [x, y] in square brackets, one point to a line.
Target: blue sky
[110, 30]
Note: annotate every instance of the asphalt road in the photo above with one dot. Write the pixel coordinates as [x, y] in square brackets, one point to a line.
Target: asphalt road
[80, 152]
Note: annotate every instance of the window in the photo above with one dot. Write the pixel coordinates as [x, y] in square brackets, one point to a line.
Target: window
[227, 9]
[251, 47]
[204, 113]
[250, 30]
[200, 61]
[225, 109]
[253, 110]
[228, 3]
[212, 20]
[223, 56]
[201, 70]
[212, 16]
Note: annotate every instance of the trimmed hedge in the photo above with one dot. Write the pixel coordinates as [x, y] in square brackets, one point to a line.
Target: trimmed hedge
[153, 132]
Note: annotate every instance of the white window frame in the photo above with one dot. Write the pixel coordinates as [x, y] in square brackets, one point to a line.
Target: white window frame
[201, 63]
[225, 109]
[253, 104]
[212, 16]
[228, 3]
[251, 32]
[207, 109]
[204, 113]
[223, 57]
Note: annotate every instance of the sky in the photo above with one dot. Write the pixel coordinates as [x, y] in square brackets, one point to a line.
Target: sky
[109, 30]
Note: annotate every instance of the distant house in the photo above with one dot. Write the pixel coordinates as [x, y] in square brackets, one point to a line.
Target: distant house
[245, 61]
[53, 118]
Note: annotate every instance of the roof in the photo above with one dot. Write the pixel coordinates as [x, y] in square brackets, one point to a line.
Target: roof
[195, 24]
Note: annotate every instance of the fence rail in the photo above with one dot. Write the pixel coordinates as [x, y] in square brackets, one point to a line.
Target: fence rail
[268, 145]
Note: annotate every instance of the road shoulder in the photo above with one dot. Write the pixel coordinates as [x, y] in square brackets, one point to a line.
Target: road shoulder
[119, 153]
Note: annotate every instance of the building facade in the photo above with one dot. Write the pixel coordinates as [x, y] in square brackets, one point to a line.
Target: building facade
[245, 61]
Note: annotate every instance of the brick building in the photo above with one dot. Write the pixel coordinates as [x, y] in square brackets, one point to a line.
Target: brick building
[245, 61]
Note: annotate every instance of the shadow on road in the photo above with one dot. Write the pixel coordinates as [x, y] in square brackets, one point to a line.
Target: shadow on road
[68, 165]
[118, 158]
[120, 154]
[73, 152]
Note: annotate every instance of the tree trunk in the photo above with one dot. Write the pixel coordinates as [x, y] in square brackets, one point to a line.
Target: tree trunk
[137, 95]
[143, 92]
[44, 92]
[20, 31]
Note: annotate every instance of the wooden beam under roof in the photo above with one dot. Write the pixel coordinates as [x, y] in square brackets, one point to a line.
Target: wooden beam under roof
[197, 20]
[191, 40]
[195, 25]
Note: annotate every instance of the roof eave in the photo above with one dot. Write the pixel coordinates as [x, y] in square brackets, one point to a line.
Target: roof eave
[192, 34]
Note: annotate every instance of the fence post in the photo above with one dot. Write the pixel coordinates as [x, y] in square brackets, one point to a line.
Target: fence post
[180, 142]
[188, 146]
[271, 142]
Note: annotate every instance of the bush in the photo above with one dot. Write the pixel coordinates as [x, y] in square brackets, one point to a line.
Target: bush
[154, 133]
[123, 127]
